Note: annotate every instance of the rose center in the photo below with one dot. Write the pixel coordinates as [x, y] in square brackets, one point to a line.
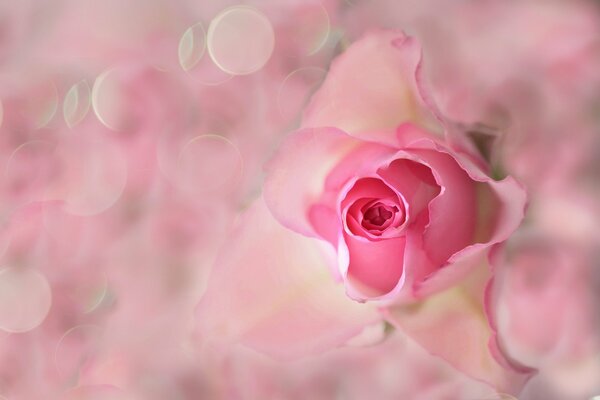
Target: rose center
[378, 216]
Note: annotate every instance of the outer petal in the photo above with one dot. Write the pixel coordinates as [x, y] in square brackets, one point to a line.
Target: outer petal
[374, 268]
[543, 303]
[297, 174]
[510, 203]
[466, 340]
[371, 88]
[309, 162]
[413, 180]
[271, 290]
[508, 199]
[453, 213]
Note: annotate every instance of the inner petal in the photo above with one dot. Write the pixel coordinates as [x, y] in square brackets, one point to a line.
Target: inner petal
[414, 180]
[376, 216]
[375, 268]
[371, 208]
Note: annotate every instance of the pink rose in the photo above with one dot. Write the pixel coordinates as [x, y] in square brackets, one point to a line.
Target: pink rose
[397, 214]
[397, 204]
[407, 218]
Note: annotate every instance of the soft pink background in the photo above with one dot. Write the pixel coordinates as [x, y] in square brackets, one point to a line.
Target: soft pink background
[129, 150]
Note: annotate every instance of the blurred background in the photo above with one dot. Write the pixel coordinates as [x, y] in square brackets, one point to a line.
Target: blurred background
[134, 133]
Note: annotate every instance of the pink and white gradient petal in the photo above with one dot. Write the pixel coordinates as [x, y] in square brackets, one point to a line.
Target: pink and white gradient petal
[468, 343]
[372, 88]
[271, 290]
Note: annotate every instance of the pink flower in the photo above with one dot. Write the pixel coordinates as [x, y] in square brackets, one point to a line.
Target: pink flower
[382, 201]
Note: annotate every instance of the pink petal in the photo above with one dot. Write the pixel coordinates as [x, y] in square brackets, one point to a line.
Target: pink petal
[375, 268]
[271, 290]
[309, 169]
[453, 325]
[408, 133]
[413, 180]
[506, 201]
[361, 192]
[296, 175]
[367, 188]
[543, 301]
[417, 264]
[371, 88]
[511, 201]
[452, 214]
[326, 222]
[362, 161]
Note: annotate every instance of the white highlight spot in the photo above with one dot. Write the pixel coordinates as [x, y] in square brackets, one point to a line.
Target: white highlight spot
[192, 46]
[109, 101]
[25, 299]
[77, 103]
[240, 40]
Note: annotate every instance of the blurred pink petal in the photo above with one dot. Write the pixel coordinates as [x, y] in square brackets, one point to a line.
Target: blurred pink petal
[453, 325]
[354, 373]
[270, 289]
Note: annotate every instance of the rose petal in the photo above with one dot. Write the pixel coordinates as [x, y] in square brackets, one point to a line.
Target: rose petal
[511, 207]
[413, 180]
[487, 231]
[367, 188]
[375, 268]
[467, 341]
[363, 191]
[309, 169]
[271, 290]
[542, 301]
[452, 214]
[297, 173]
[362, 161]
[371, 88]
